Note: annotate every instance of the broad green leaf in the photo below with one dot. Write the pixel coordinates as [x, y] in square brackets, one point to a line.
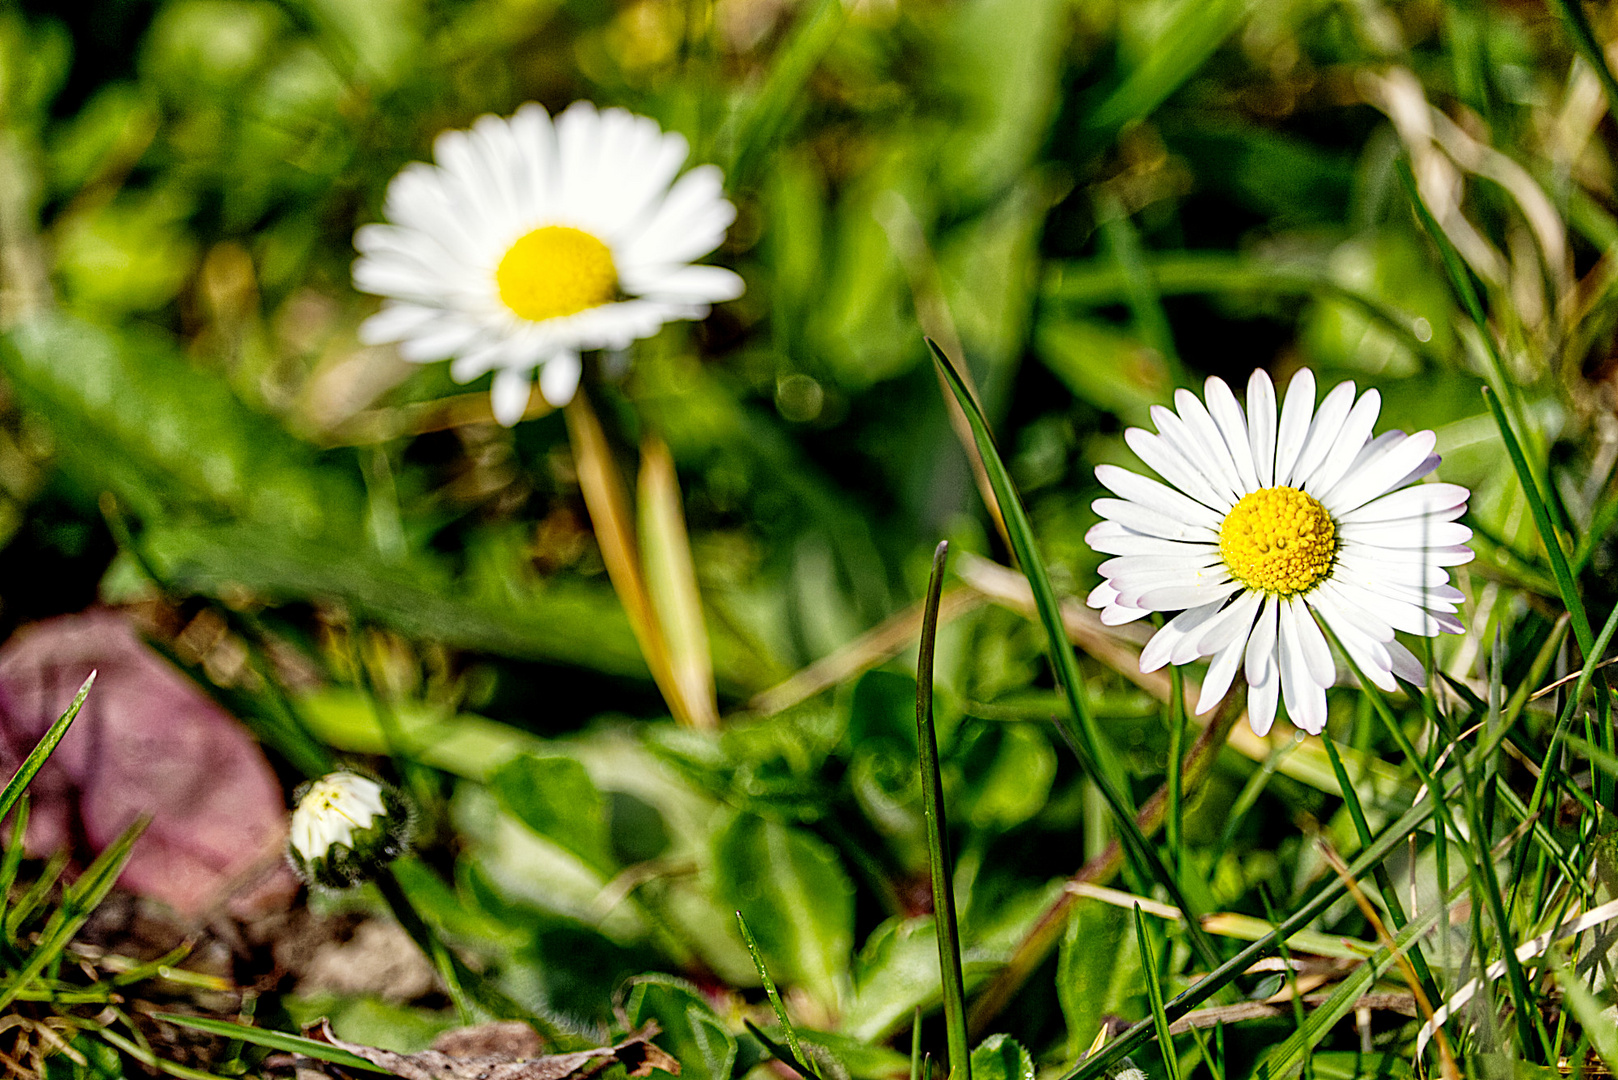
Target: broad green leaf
[132, 416]
[1000, 1057]
[1095, 969]
[796, 898]
[555, 797]
[692, 1032]
[1007, 774]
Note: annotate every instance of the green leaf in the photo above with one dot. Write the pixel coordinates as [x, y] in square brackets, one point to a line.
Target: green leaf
[795, 896]
[1000, 1057]
[555, 797]
[1094, 952]
[1007, 772]
[36, 759]
[132, 416]
[692, 1032]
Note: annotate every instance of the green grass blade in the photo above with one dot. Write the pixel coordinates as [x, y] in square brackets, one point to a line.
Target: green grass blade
[1078, 729]
[797, 1058]
[1289, 1056]
[1584, 39]
[1154, 993]
[1392, 837]
[11, 862]
[932, 805]
[35, 761]
[275, 1040]
[1591, 1014]
[82, 898]
[1547, 532]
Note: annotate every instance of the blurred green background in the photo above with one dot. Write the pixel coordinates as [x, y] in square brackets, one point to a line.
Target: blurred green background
[1093, 201]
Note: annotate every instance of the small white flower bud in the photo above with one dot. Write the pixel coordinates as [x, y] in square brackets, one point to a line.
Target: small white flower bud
[345, 828]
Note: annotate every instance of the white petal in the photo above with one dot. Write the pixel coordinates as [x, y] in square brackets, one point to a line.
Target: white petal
[1184, 442]
[1261, 699]
[1172, 466]
[1125, 566]
[1294, 426]
[1202, 427]
[1144, 520]
[559, 378]
[1178, 597]
[1410, 502]
[1114, 539]
[1405, 665]
[1160, 497]
[1220, 674]
[1399, 614]
[1356, 431]
[1261, 425]
[509, 394]
[1160, 649]
[1312, 643]
[693, 284]
[1397, 534]
[1368, 654]
[1326, 600]
[1362, 485]
[1449, 555]
[1323, 432]
[1261, 645]
[1228, 416]
[1236, 621]
[1306, 699]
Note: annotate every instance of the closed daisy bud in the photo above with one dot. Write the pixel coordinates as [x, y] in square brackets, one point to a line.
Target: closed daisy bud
[345, 828]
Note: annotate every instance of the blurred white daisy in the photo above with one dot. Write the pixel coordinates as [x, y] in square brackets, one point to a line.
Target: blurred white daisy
[1271, 523]
[530, 241]
[332, 810]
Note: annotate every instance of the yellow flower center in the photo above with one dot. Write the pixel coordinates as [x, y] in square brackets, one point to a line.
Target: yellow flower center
[1278, 540]
[555, 271]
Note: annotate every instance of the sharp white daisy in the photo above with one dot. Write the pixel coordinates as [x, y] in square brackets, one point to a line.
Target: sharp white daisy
[531, 240]
[1268, 523]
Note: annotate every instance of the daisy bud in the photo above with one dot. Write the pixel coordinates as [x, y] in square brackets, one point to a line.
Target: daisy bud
[345, 828]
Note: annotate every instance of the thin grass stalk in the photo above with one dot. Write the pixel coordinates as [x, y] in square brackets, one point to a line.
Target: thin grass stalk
[1479, 867]
[799, 1060]
[932, 804]
[1041, 938]
[275, 1040]
[1584, 40]
[1384, 884]
[1547, 532]
[42, 750]
[1395, 834]
[1154, 994]
[1078, 730]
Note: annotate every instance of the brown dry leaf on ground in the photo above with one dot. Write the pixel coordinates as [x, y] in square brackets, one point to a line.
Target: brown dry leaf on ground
[148, 741]
[637, 1054]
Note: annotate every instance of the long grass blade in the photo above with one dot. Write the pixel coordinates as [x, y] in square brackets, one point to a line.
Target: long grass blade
[36, 759]
[1542, 521]
[1078, 730]
[932, 805]
[1154, 994]
[1584, 39]
[671, 582]
[275, 1040]
[79, 901]
[1392, 837]
[798, 1060]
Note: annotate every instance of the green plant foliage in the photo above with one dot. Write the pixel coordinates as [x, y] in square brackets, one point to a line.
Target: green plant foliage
[691, 1031]
[795, 896]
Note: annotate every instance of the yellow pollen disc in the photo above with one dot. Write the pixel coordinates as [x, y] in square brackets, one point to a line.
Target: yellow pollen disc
[1278, 540]
[555, 271]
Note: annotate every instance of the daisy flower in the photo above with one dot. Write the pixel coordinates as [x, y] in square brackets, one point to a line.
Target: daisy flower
[530, 240]
[1267, 524]
[345, 828]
